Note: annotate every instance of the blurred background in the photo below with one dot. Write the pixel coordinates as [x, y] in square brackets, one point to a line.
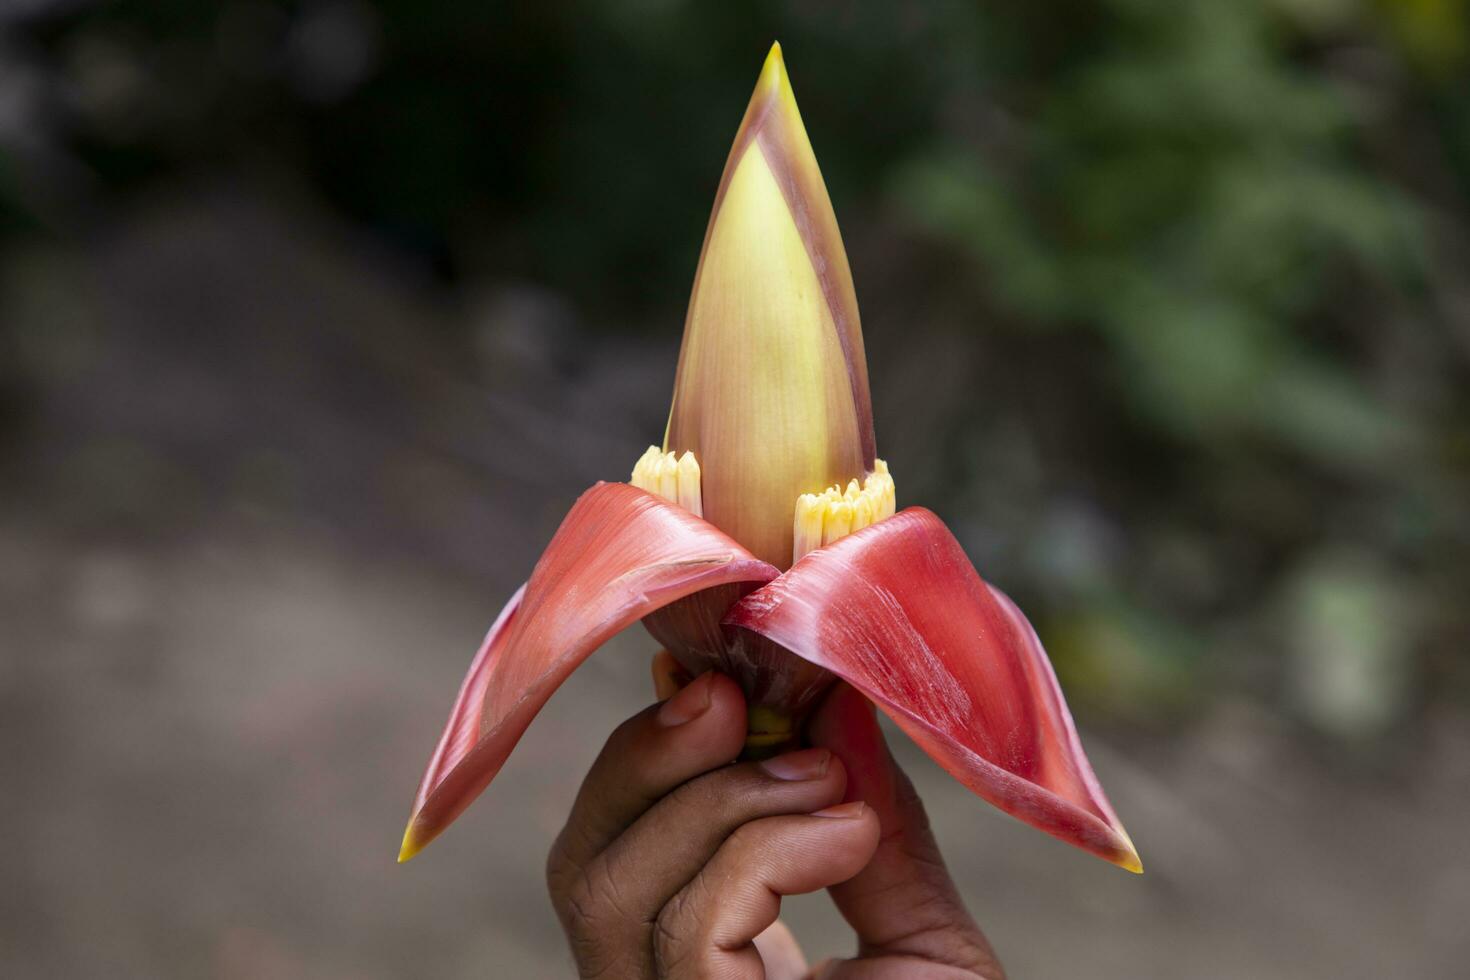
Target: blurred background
[315, 317]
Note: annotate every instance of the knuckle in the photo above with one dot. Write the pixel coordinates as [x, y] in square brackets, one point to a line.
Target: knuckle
[595, 961]
[599, 894]
[673, 944]
[934, 914]
[562, 871]
[669, 949]
[593, 928]
[589, 903]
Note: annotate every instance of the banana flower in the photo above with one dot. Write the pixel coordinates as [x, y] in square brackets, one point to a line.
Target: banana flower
[761, 539]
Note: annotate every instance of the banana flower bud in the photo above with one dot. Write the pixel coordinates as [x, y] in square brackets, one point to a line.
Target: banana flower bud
[771, 395]
[762, 538]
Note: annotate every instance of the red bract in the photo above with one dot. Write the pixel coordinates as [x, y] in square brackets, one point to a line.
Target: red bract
[769, 459]
[619, 554]
[897, 611]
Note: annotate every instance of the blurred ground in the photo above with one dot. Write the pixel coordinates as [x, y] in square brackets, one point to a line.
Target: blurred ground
[223, 672]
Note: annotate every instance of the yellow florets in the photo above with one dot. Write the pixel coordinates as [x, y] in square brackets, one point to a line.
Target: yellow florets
[822, 518]
[672, 477]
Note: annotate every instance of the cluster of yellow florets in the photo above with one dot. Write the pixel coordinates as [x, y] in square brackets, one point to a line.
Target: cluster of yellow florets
[822, 518]
[672, 477]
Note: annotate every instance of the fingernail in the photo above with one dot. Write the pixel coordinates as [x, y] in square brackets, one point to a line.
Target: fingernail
[843, 811]
[796, 766]
[688, 704]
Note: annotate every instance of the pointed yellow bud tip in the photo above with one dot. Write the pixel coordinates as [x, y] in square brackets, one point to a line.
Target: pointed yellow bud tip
[773, 81]
[771, 392]
[670, 476]
[822, 518]
[410, 846]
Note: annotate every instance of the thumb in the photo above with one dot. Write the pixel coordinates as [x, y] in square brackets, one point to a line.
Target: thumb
[903, 904]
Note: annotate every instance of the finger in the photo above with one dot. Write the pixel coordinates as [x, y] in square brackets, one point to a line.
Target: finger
[698, 729]
[903, 903]
[620, 893]
[890, 968]
[709, 928]
[668, 675]
[781, 954]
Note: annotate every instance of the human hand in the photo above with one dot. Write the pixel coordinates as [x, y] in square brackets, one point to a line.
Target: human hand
[673, 861]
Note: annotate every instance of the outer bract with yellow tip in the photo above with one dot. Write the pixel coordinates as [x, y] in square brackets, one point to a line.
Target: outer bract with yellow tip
[769, 464]
[897, 611]
[619, 554]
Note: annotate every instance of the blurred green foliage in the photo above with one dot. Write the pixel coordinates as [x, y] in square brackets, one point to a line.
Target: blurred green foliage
[1206, 257]
[1191, 193]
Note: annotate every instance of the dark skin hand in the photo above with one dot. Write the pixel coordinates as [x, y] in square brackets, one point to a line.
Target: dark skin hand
[673, 861]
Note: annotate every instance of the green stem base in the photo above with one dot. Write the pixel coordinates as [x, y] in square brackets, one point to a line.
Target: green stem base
[769, 732]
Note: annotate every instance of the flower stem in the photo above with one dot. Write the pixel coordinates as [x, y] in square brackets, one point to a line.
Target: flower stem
[769, 732]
